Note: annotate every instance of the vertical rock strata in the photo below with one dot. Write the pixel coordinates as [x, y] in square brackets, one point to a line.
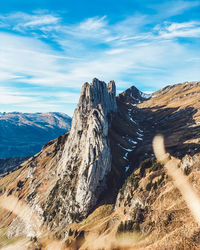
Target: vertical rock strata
[86, 159]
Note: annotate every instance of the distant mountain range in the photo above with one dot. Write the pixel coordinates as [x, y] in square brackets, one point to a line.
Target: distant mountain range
[24, 134]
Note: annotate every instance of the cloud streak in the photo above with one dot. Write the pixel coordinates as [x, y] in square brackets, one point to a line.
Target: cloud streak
[175, 30]
[21, 21]
[40, 49]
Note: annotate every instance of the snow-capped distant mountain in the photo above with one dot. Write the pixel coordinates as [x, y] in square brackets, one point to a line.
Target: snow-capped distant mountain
[24, 134]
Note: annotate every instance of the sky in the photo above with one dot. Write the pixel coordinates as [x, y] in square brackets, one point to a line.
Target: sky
[49, 48]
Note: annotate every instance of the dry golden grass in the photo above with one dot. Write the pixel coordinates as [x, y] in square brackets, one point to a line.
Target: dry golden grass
[99, 213]
[10, 178]
[180, 96]
[180, 181]
[30, 218]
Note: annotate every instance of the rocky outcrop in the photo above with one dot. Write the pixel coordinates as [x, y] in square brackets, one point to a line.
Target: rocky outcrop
[87, 148]
[86, 158]
[133, 95]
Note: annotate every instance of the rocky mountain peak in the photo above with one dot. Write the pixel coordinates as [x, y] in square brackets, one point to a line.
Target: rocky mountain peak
[86, 158]
[133, 95]
[97, 93]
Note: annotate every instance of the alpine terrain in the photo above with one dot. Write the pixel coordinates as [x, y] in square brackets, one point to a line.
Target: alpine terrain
[23, 134]
[99, 186]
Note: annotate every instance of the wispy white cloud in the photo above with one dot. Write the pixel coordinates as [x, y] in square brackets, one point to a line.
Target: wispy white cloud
[185, 25]
[32, 61]
[173, 30]
[173, 8]
[140, 48]
[8, 96]
[27, 100]
[93, 24]
[41, 20]
[21, 21]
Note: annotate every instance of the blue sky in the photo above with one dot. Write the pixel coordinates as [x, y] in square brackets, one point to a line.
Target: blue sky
[49, 48]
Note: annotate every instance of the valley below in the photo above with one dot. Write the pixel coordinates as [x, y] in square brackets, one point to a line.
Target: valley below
[22, 135]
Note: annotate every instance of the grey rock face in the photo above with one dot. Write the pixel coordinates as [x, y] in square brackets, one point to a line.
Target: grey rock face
[133, 95]
[188, 162]
[87, 150]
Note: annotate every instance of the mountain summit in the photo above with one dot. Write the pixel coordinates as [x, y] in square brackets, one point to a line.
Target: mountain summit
[86, 158]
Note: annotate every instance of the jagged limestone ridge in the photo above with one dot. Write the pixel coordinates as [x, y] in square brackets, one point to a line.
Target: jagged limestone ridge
[86, 156]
